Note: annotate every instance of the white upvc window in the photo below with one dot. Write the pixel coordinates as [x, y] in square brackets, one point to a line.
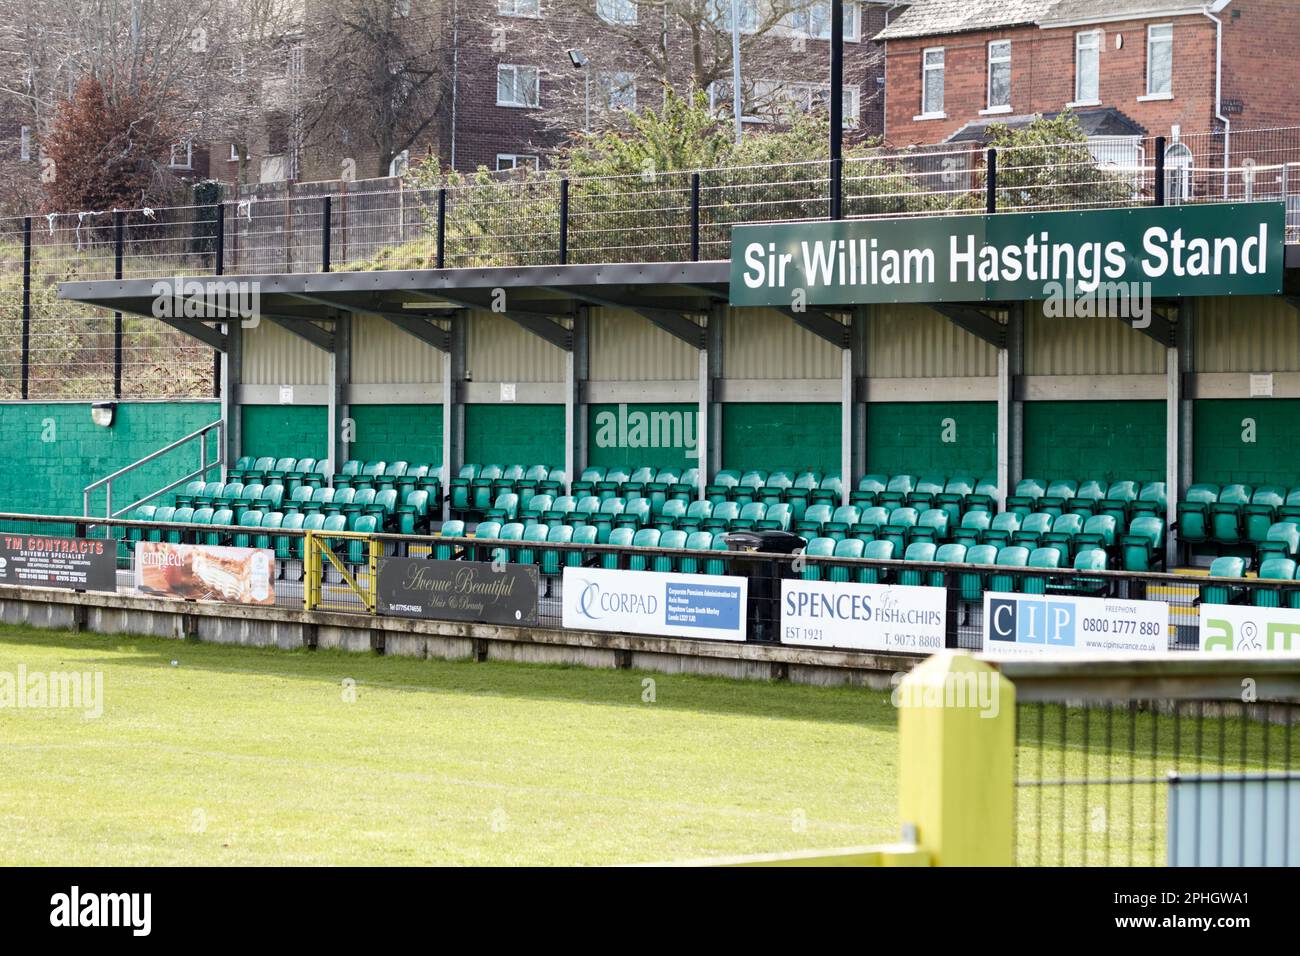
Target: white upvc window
[517, 161]
[519, 8]
[1087, 67]
[999, 78]
[25, 144]
[932, 81]
[182, 155]
[617, 90]
[616, 11]
[771, 99]
[814, 20]
[518, 85]
[1160, 60]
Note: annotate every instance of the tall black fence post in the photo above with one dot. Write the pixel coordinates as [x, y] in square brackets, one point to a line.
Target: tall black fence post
[27, 304]
[695, 217]
[564, 222]
[325, 234]
[837, 185]
[119, 246]
[991, 181]
[1160, 170]
[441, 254]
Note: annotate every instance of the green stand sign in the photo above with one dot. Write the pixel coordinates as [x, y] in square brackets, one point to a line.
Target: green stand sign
[1148, 251]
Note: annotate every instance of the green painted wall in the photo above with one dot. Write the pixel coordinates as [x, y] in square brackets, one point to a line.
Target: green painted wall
[292, 431]
[945, 438]
[1081, 440]
[1223, 456]
[661, 436]
[50, 451]
[768, 435]
[514, 434]
[398, 433]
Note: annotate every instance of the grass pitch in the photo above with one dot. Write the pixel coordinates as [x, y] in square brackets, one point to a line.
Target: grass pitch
[250, 756]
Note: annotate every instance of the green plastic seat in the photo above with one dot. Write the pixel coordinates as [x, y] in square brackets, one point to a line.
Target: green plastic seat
[931, 526]
[621, 538]
[504, 508]
[916, 551]
[844, 548]
[1225, 566]
[636, 514]
[674, 511]
[695, 541]
[534, 534]
[876, 551]
[777, 518]
[814, 518]
[1281, 541]
[288, 546]
[1012, 556]
[249, 519]
[1141, 545]
[842, 519]
[554, 560]
[724, 512]
[645, 538]
[973, 526]
[821, 548]
[1045, 557]
[971, 584]
[670, 540]
[1276, 569]
[750, 515]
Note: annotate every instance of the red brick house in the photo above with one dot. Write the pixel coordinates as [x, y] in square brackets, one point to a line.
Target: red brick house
[1127, 68]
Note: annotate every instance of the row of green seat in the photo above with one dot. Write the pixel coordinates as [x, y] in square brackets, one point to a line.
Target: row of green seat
[524, 545]
[1235, 515]
[255, 529]
[971, 584]
[292, 473]
[1272, 568]
[475, 487]
[409, 516]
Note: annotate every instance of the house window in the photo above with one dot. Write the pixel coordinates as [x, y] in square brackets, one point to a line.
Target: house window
[182, 155]
[774, 97]
[1160, 60]
[517, 161]
[720, 101]
[234, 153]
[999, 74]
[1087, 66]
[402, 7]
[814, 20]
[618, 90]
[720, 15]
[519, 8]
[616, 11]
[25, 144]
[932, 82]
[518, 85]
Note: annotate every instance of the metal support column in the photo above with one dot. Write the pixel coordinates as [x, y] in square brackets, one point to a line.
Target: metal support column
[453, 412]
[576, 370]
[709, 460]
[1180, 478]
[858, 344]
[1011, 423]
[340, 381]
[702, 418]
[846, 424]
[232, 377]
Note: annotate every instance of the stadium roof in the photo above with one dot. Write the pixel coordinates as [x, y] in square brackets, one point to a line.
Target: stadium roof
[938, 17]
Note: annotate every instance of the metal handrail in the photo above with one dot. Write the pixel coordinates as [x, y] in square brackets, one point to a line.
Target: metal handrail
[204, 467]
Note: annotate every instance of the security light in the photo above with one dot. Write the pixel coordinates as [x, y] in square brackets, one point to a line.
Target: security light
[578, 60]
[101, 413]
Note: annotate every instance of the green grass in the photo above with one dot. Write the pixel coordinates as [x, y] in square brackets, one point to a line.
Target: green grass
[250, 756]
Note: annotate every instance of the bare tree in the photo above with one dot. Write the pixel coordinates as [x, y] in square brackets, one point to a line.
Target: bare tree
[377, 78]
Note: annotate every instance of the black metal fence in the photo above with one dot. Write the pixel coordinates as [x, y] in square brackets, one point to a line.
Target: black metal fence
[1193, 766]
[345, 582]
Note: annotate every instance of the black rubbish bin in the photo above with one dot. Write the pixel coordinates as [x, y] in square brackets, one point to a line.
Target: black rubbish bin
[765, 574]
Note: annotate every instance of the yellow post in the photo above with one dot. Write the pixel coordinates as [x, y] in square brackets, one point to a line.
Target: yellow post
[956, 727]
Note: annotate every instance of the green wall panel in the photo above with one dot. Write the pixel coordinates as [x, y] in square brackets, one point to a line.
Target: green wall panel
[768, 435]
[659, 436]
[1082, 440]
[1223, 454]
[946, 438]
[514, 434]
[50, 451]
[294, 431]
[410, 433]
